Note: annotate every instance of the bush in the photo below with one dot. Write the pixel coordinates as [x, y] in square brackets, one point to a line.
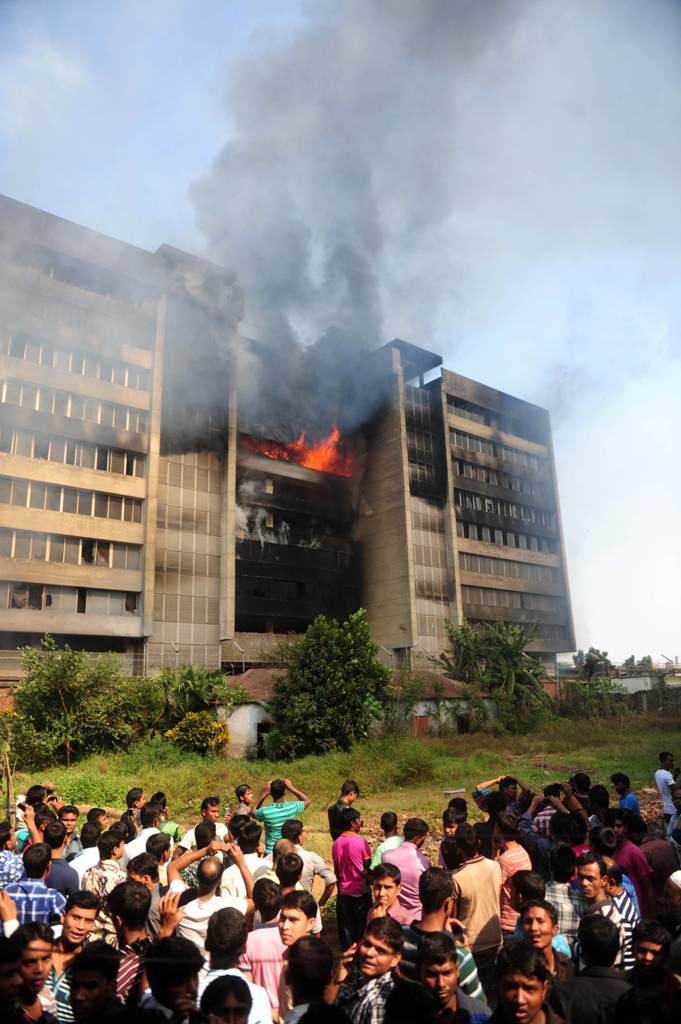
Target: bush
[199, 732]
[598, 697]
[333, 689]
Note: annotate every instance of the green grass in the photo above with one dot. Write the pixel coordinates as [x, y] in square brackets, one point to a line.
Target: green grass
[404, 775]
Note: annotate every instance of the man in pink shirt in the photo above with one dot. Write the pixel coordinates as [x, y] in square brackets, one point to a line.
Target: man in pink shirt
[411, 863]
[351, 858]
[513, 857]
[632, 861]
[264, 953]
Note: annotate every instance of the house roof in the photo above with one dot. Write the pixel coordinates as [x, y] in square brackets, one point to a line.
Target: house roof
[258, 683]
[436, 686]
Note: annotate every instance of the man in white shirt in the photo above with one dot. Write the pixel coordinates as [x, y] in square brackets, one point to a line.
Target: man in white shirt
[313, 865]
[210, 811]
[248, 842]
[225, 942]
[665, 776]
[89, 835]
[150, 820]
[197, 912]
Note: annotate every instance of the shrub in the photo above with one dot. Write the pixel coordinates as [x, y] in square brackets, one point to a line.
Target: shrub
[199, 732]
[597, 697]
[333, 689]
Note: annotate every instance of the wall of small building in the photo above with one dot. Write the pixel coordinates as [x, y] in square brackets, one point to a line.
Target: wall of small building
[243, 727]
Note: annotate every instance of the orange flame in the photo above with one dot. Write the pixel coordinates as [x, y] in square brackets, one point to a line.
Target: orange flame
[328, 456]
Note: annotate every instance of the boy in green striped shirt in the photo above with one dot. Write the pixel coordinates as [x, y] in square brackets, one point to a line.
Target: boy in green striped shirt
[275, 814]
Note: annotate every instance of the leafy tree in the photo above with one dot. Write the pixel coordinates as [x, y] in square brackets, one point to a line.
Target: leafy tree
[334, 687]
[645, 662]
[494, 659]
[629, 662]
[593, 663]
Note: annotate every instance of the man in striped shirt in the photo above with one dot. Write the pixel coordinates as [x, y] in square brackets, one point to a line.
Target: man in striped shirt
[130, 903]
[513, 857]
[275, 814]
[79, 919]
[627, 911]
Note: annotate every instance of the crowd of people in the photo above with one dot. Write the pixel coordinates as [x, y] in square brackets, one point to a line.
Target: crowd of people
[560, 905]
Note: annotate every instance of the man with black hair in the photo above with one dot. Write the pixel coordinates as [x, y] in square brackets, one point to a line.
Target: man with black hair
[598, 986]
[411, 862]
[35, 943]
[363, 994]
[172, 966]
[150, 817]
[599, 804]
[168, 827]
[99, 816]
[296, 919]
[580, 784]
[61, 875]
[523, 980]
[248, 842]
[351, 856]
[275, 814]
[631, 860]
[77, 924]
[349, 792]
[509, 788]
[385, 892]
[437, 902]
[665, 777]
[104, 877]
[625, 907]
[144, 869]
[89, 834]
[34, 900]
[11, 864]
[134, 800]
[476, 888]
[160, 847]
[568, 903]
[314, 866]
[264, 952]
[130, 903]
[244, 795]
[308, 972]
[492, 804]
[513, 857]
[210, 812]
[93, 985]
[225, 944]
[68, 815]
[592, 873]
[227, 1000]
[539, 924]
[661, 857]
[438, 970]
[391, 841]
[655, 994]
[627, 799]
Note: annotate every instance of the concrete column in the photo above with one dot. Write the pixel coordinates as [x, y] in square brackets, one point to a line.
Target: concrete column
[149, 580]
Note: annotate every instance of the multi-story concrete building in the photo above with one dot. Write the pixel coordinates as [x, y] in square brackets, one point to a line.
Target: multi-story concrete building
[141, 511]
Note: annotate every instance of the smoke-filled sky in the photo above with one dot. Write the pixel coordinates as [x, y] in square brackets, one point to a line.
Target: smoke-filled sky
[497, 181]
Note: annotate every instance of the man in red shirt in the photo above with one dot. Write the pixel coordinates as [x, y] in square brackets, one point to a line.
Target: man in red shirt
[351, 858]
[633, 862]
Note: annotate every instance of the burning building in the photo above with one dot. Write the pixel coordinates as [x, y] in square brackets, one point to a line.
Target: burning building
[149, 505]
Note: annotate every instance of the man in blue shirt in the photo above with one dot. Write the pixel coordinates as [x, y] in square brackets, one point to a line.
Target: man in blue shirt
[627, 799]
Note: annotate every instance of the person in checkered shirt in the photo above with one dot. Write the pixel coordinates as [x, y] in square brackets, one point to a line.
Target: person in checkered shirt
[34, 901]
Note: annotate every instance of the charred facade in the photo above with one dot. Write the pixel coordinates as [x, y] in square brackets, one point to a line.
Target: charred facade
[149, 505]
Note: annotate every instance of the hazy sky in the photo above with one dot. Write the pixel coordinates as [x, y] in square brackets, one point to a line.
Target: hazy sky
[498, 181]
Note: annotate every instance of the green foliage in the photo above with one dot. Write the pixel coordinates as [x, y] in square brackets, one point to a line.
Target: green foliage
[71, 704]
[597, 697]
[194, 688]
[199, 732]
[404, 690]
[334, 687]
[593, 663]
[493, 659]
[413, 765]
